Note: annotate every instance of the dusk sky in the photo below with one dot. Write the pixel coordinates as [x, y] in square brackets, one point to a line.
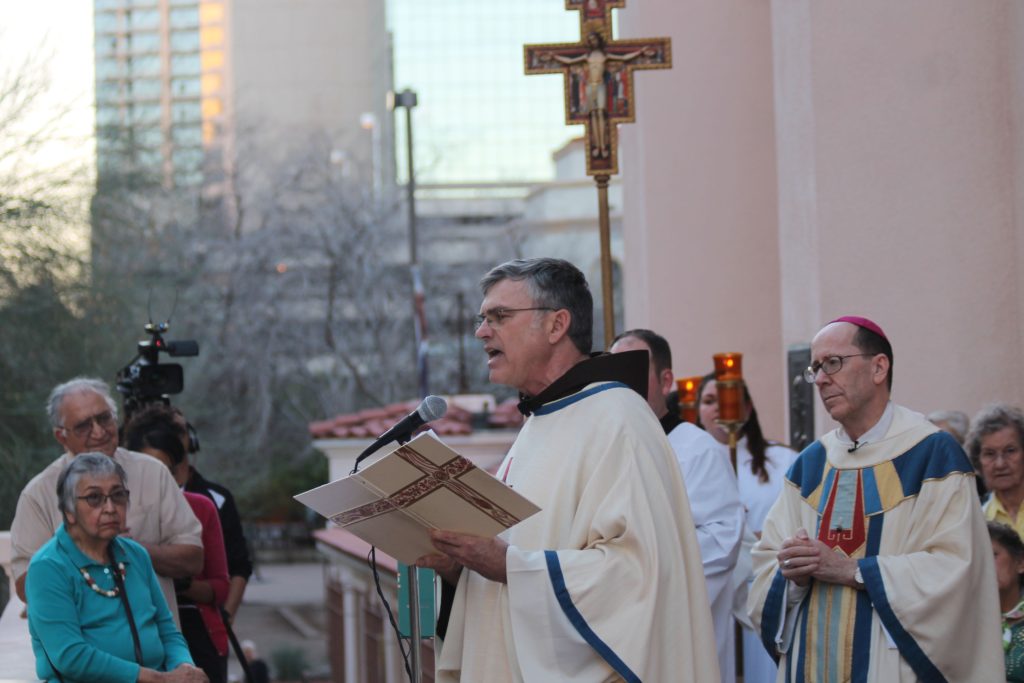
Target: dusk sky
[63, 29]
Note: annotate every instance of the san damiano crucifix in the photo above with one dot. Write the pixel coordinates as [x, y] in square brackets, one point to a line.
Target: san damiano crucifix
[598, 79]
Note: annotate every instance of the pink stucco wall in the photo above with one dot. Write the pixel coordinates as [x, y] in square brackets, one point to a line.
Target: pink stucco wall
[701, 216]
[806, 159]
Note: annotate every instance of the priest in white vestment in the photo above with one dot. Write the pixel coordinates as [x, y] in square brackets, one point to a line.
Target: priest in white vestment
[605, 583]
[874, 564]
[711, 486]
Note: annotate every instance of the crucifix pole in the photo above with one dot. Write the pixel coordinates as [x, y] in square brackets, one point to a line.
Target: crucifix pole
[597, 75]
[607, 288]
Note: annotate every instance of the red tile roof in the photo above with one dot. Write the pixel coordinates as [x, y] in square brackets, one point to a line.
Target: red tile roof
[369, 423]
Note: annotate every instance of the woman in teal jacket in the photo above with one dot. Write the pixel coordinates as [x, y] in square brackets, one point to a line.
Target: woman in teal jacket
[95, 609]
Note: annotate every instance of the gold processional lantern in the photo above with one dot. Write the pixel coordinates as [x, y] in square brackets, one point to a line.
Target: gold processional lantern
[688, 398]
[729, 380]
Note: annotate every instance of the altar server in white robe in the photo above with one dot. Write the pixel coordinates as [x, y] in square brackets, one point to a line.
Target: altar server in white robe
[711, 486]
[873, 565]
[761, 468]
[605, 583]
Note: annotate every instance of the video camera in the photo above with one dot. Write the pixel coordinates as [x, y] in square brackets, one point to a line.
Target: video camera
[145, 379]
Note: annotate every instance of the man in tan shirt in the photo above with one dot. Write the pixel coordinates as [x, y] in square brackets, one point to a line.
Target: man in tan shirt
[84, 419]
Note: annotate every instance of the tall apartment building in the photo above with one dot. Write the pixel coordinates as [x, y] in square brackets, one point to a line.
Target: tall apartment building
[160, 86]
[179, 82]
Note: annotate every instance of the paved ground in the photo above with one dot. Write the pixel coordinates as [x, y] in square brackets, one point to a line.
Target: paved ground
[284, 609]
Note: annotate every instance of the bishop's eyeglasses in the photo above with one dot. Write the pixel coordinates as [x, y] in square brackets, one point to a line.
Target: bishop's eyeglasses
[830, 366]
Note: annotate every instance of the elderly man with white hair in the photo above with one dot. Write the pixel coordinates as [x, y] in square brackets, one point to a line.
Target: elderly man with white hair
[84, 419]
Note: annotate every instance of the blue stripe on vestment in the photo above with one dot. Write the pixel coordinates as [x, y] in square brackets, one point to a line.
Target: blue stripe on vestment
[579, 623]
[549, 408]
[908, 647]
[773, 614]
[934, 457]
[801, 619]
[827, 631]
[864, 612]
[806, 471]
[872, 500]
[826, 493]
[863, 616]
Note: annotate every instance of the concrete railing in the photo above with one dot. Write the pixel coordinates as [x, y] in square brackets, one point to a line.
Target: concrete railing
[17, 663]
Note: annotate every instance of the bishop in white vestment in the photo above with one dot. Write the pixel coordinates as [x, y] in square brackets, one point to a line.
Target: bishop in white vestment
[874, 564]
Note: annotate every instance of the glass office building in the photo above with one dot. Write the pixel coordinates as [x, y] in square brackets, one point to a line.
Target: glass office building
[479, 118]
[159, 86]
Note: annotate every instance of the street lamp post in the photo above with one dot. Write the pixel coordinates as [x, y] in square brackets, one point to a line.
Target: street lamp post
[407, 100]
[368, 122]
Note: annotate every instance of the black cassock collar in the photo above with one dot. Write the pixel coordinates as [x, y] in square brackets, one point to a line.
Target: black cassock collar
[628, 367]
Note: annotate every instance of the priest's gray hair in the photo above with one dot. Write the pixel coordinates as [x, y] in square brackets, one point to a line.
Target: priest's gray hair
[989, 420]
[77, 385]
[96, 465]
[553, 283]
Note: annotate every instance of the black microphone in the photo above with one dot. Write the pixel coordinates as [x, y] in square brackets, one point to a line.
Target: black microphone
[429, 409]
[856, 445]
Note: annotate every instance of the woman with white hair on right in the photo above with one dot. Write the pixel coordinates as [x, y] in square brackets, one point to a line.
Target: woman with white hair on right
[994, 445]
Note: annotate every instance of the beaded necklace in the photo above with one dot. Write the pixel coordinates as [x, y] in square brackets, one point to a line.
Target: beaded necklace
[1009, 619]
[113, 593]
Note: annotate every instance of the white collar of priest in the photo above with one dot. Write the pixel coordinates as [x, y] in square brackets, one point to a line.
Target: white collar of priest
[876, 433]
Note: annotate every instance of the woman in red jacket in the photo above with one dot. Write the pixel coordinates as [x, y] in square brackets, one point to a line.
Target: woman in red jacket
[155, 432]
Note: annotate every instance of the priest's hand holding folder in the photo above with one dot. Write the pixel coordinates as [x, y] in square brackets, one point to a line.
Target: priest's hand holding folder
[485, 556]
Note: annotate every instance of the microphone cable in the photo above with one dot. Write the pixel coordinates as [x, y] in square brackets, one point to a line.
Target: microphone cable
[371, 560]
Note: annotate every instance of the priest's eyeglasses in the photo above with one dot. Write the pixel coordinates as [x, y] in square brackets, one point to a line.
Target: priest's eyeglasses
[830, 366]
[105, 420]
[496, 317]
[98, 500]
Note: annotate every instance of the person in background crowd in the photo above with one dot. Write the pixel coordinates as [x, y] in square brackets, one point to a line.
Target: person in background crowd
[235, 544]
[957, 425]
[155, 432]
[84, 419]
[953, 422]
[873, 565]
[994, 445]
[761, 465]
[710, 486]
[761, 471]
[96, 612]
[257, 666]
[1008, 551]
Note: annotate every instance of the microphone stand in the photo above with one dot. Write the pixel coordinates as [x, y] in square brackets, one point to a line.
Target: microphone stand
[414, 623]
[373, 448]
[414, 615]
[415, 663]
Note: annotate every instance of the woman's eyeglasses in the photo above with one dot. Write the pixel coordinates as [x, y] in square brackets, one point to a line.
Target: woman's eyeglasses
[96, 500]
